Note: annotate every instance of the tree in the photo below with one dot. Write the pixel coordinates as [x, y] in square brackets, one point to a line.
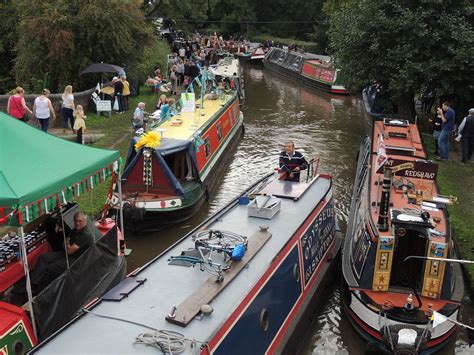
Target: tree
[59, 38]
[403, 44]
[8, 20]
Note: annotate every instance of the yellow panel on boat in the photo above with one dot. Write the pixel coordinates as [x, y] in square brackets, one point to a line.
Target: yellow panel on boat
[185, 124]
[434, 270]
[383, 263]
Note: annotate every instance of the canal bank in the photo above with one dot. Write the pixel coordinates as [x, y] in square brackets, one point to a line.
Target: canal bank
[456, 179]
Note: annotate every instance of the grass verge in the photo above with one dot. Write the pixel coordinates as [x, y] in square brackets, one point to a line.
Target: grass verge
[455, 178]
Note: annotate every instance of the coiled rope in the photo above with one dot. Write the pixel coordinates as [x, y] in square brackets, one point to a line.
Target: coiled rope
[167, 341]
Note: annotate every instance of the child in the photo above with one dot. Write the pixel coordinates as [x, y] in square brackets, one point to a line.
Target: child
[79, 119]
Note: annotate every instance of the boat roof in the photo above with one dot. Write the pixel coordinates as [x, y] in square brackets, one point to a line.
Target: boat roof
[403, 144]
[306, 55]
[184, 125]
[226, 67]
[167, 285]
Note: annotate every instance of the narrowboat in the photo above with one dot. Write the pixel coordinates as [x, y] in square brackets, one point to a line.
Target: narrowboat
[377, 102]
[167, 183]
[396, 283]
[245, 281]
[316, 71]
[253, 53]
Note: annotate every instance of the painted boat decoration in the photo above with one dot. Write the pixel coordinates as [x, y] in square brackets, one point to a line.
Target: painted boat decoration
[316, 71]
[398, 219]
[261, 265]
[166, 183]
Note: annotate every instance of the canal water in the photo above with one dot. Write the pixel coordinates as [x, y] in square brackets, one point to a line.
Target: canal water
[329, 127]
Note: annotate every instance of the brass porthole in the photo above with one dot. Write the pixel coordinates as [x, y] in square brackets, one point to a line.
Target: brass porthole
[264, 319]
[296, 272]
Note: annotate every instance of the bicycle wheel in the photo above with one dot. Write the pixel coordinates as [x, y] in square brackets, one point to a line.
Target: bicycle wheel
[219, 240]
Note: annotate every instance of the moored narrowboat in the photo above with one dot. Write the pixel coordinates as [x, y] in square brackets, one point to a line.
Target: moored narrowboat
[245, 281]
[314, 70]
[253, 53]
[165, 183]
[398, 291]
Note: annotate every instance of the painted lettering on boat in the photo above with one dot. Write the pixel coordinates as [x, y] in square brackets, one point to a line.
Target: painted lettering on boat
[316, 240]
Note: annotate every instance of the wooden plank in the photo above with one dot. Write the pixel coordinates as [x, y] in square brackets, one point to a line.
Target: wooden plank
[209, 290]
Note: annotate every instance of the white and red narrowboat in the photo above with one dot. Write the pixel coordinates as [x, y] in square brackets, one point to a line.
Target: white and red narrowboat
[166, 184]
[316, 71]
[397, 290]
[246, 281]
[253, 53]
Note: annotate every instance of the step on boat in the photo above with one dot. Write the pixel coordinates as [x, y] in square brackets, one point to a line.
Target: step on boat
[245, 281]
[314, 70]
[166, 183]
[394, 279]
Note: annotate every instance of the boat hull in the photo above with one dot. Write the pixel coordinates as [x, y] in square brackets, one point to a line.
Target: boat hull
[365, 322]
[296, 302]
[303, 79]
[142, 220]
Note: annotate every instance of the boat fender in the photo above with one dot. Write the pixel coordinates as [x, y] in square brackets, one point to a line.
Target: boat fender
[238, 252]
[206, 194]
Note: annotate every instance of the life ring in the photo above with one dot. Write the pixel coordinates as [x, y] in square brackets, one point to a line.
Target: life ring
[177, 122]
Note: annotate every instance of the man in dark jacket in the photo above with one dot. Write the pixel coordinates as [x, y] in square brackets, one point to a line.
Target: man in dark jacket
[118, 93]
[292, 162]
[466, 130]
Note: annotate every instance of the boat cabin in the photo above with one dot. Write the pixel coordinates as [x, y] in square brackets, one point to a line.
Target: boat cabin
[401, 219]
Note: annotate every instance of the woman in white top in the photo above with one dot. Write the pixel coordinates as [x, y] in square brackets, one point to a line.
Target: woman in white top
[43, 110]
[68, 108]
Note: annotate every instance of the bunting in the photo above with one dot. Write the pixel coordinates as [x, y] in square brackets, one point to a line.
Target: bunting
[36, 209]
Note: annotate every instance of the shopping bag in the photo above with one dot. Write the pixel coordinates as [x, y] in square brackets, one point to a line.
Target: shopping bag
[116, 106]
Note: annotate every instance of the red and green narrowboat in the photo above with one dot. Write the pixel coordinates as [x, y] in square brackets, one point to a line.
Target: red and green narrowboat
[314, 70]
[166, 183]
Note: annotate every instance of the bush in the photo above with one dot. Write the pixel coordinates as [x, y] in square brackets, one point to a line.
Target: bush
[154, 56]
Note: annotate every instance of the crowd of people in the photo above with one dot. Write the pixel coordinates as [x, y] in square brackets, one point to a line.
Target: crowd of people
[43, 110]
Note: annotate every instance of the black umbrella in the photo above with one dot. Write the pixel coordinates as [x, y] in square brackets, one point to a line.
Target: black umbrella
[102, 68]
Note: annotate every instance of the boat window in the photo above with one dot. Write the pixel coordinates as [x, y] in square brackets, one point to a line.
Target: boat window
[219, 131]
[360, 249]
[207, 147]
[264, 321]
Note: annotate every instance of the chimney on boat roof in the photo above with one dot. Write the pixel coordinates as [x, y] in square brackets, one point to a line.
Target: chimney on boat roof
[385, 200]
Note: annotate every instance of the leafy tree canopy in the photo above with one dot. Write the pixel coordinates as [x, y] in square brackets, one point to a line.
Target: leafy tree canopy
[59, 38]
[403, 44]
[8, 20]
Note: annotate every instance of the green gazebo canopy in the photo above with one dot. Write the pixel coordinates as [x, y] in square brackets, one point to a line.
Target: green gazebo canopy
[40, 171]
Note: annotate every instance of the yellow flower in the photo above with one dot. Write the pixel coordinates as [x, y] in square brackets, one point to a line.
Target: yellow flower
[150, 140]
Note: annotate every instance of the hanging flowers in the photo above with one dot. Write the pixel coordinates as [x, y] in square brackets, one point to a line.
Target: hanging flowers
[150, 140]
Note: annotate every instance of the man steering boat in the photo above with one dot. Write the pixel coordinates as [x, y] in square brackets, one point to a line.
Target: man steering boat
[291, 163]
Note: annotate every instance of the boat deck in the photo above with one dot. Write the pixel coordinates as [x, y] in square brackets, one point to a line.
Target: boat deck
[169, 285]
[192, 121]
